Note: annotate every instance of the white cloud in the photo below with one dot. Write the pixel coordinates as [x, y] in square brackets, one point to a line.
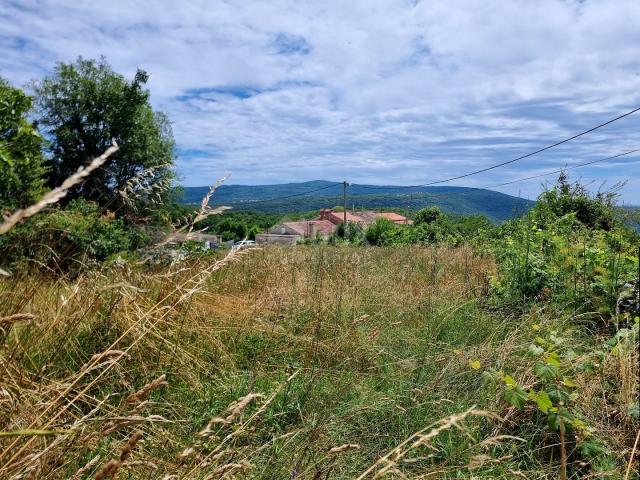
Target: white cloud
[372, 91]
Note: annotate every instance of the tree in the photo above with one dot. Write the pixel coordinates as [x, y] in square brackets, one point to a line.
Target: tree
[21, 163]
[82, 107]
[427, 215]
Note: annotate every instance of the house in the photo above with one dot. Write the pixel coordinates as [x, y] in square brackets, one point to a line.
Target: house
[336, 218]
[305, 228]
[370, 217]
[290, 233]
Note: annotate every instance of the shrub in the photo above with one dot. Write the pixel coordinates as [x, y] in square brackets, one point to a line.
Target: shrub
[569, 248]
[593, 211]
[381, 232]
[65, 237]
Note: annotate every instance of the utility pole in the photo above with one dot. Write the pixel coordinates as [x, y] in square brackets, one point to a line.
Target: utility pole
[344, 198]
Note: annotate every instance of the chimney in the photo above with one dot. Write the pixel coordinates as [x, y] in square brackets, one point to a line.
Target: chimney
[322, 213]
[311, 229]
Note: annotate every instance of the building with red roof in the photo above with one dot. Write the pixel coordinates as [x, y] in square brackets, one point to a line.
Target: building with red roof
[289, 233]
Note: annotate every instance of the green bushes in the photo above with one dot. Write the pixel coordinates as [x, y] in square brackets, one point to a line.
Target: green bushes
[238, 225]
[569, 248]
[64, 237]
[431, 226]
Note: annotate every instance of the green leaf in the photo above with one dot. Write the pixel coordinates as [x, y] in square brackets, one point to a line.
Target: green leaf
[545, 372]
[553, 420]
[490, 377]
[535, 350]
[516, 396]
[552, 359]
[543, 401]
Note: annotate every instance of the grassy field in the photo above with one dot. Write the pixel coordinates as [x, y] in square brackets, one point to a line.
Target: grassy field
[315, 362]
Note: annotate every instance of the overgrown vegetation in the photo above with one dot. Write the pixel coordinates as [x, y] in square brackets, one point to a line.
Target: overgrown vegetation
[450, 348]
[238, 225]
[70, 239]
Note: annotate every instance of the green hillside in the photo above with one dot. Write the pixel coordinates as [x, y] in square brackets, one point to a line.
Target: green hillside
[457, 200]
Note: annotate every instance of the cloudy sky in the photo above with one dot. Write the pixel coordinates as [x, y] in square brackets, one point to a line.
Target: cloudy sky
[372, 91]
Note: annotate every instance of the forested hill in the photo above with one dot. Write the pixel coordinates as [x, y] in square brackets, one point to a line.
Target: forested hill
[458, 200]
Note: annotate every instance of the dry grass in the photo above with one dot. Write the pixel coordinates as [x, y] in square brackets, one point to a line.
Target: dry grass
[311, 362]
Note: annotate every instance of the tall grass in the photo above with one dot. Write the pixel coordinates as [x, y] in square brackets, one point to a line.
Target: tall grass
[311, 362]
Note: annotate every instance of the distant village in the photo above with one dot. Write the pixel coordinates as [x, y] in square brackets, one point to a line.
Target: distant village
[290, 233]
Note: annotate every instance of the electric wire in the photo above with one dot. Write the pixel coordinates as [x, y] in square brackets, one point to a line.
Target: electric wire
[521, 157]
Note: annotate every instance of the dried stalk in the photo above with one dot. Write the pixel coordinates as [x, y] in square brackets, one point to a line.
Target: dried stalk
[110, 469]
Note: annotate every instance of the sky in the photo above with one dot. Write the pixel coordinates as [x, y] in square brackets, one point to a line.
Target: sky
[368, 91]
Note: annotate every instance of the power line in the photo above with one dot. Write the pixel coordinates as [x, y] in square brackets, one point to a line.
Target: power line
[568, 167]
[521, 157]
[443, 195]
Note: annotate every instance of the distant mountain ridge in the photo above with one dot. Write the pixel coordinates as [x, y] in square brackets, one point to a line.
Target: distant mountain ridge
[456, 200]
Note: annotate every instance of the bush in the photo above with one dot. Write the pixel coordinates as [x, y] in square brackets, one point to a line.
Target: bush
[569, 248]
[65, 237]
[593, 211]
[381, 232]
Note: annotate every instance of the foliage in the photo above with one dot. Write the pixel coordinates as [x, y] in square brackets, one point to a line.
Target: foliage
[431, 227]
[553, 389]
[381, 232]
[593, 211]
[63, 238]
[427, 215]
[569, 248]
[238, 225]
[81, 108]
[21, 163]
[354, 233]
[561, 377]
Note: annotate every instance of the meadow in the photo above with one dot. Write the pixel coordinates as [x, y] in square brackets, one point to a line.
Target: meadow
[313, 362]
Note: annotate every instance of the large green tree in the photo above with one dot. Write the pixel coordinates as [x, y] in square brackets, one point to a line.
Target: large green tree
[82, 106]
[21, 163]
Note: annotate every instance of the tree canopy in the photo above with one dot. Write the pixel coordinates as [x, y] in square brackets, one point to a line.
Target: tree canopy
[21, 161]
[85, 105]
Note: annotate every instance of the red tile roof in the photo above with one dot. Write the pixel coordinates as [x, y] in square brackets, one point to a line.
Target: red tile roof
[394, 217]
[338, 217]
[368, 216]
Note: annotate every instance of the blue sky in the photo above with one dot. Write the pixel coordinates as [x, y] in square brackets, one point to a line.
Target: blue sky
[371, 91]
